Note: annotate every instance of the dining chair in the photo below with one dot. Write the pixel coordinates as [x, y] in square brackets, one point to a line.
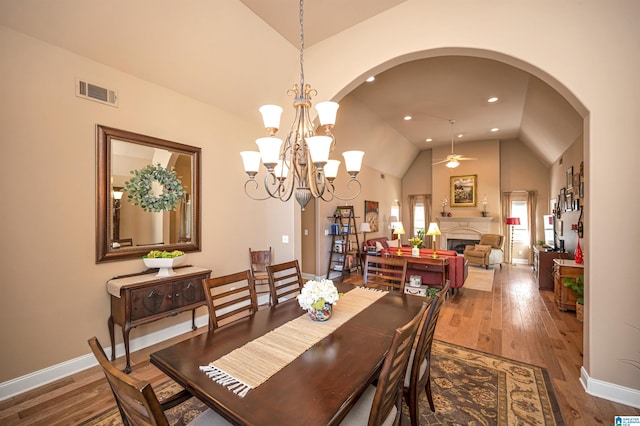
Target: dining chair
[387, 273]
[418, 374]
[230, 298]
[285, 281]
[137, 401]
[259, 260]
[382, 404]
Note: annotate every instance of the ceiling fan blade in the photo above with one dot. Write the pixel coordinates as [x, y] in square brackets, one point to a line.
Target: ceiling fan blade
[466, 158]
[440, 162]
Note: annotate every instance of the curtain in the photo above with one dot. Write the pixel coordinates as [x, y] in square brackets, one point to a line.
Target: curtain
[532, 207]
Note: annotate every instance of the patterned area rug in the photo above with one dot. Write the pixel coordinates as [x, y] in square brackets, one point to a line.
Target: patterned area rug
[475, 388]
[469, 388]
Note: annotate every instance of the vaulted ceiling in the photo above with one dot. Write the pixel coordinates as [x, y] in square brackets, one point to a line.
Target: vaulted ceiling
[178, 47]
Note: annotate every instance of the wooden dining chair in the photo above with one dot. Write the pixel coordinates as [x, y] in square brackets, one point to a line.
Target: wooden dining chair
[137, 401]
[285, 281]
[382, 404]
[230, 298]
[388, 273]
[418, 374]
[259, 260]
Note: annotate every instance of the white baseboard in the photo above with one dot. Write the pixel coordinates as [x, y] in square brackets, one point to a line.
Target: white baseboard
[47, 375]
[609, 391]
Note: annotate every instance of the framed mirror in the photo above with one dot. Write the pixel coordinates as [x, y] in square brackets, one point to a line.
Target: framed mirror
[160, 212]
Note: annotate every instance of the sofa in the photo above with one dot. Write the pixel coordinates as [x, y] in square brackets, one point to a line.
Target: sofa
[457, 265]
[487, 252]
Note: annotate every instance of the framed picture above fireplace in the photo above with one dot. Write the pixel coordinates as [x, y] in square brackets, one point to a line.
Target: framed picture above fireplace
[464, 191]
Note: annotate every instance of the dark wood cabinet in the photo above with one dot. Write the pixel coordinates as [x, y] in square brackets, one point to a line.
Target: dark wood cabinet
[543, 266]
[564, 296]
[143, 298]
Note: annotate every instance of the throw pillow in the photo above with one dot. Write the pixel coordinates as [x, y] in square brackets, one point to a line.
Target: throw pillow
[483, 248]
[379, 246]
[393, 243]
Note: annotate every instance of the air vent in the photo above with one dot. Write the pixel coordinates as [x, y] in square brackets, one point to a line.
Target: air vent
[97, 93]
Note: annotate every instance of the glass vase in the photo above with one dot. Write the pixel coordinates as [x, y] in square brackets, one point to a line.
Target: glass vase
[321, 314]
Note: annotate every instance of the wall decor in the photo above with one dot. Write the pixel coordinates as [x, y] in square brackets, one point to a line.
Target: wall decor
[371, 214]
[570, 177]
[581, 191]
[576, 182]
[464, 191]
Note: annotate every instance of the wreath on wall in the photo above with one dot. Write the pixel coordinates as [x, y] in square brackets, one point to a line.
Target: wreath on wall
[140, 190]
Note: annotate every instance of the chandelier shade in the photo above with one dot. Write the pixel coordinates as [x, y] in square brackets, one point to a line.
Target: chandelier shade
[300, 164]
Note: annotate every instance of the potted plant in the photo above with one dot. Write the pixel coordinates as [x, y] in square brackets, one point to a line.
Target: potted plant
[415, 246]
[577, 285]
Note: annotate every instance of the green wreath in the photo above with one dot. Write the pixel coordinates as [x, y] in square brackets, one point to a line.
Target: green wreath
[141, 193]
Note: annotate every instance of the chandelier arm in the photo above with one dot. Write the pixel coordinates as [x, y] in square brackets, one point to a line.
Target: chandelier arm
[349, 184]
[256, 187]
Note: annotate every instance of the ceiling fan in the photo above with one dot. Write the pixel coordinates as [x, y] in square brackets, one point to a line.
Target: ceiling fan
[453, 160]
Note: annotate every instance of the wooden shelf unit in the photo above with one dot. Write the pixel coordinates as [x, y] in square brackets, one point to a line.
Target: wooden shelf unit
[344, 254]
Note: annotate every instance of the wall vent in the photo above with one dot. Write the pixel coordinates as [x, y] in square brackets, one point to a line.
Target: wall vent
[97, 93]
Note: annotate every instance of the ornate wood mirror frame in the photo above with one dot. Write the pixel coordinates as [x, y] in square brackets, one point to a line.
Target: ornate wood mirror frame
[125, 230]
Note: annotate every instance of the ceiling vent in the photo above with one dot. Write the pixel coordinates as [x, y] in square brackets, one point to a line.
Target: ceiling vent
[97, 93]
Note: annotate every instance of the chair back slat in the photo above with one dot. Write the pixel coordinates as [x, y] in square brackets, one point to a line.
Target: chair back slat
[285, 281]
[387, 273]
[419, 368]
[136, 400]
[230, 297]
[389, 388]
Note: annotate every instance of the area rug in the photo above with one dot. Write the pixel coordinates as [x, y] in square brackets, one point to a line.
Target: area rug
[479, 279]
[469, 388]
[475, 388]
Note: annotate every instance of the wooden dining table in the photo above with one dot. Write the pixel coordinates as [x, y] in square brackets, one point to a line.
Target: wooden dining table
[317, 388]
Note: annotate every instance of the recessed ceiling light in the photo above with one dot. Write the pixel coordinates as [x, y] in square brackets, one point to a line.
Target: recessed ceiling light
[492, 99]
[407, 117]
[370, 79]
[495, 129]
[459, 135]
[428, 140]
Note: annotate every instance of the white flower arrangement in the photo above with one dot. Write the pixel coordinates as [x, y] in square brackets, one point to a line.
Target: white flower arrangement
[315, 294]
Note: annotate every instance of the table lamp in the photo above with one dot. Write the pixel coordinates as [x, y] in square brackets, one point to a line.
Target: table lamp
[364, 228]
[399, 231]
[512, 221]
[433, 231]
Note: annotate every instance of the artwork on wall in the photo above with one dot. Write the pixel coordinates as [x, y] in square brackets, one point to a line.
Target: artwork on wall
[464, 191]
[570, 177]
[371, 214]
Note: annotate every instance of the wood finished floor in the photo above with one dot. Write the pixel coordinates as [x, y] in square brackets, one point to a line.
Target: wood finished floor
[515, 321]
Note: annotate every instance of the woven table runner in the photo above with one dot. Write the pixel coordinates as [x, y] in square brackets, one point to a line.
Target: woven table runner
[249, 366]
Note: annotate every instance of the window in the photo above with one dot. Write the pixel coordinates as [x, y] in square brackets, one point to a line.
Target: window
[418, 218]
[520, 232]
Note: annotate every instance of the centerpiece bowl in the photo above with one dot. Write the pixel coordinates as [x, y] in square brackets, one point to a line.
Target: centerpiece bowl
[164, 264]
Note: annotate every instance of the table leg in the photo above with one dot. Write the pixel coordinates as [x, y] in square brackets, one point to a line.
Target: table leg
[125, 337]
[193, 319]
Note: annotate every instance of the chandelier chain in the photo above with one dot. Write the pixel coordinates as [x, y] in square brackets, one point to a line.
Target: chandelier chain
[301, 45]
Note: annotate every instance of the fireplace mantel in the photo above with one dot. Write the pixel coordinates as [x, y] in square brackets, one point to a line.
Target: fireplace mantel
[462, 228]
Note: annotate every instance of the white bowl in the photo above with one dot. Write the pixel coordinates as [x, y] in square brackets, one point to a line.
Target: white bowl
[165, 264]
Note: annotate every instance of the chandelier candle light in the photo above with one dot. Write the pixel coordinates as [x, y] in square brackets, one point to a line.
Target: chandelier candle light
[301, 163]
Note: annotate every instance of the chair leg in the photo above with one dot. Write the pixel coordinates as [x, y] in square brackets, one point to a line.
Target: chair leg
[486, 266]
[427, 388]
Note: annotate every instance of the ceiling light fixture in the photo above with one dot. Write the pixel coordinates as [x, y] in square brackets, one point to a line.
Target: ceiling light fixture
[370, 79]
[495, 129]
[492, 99]
[301, 164]
[407, 117]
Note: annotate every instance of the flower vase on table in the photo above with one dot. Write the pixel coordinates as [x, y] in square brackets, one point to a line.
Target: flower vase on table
[415, 246]
[321, 314]
[318, 298]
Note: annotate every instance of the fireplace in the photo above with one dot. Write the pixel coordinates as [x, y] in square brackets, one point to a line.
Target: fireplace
[460, 231]
[458, 244]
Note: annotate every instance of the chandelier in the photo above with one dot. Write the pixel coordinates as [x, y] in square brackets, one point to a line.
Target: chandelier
[300, 164]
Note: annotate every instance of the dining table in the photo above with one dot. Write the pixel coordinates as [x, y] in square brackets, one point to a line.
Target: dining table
[319, 387]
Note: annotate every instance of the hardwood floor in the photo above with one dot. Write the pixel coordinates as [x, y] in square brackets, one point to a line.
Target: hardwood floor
[514, 320]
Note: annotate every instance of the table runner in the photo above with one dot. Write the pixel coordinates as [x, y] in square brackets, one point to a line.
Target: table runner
[247, 367]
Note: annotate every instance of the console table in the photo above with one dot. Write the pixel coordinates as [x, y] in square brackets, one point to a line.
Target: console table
[142, 298]
[436, 265]
[564, 297]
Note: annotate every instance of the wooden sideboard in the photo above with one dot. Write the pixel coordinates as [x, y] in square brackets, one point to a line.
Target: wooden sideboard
[564, 297]
[142, 298]
[543, 266]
